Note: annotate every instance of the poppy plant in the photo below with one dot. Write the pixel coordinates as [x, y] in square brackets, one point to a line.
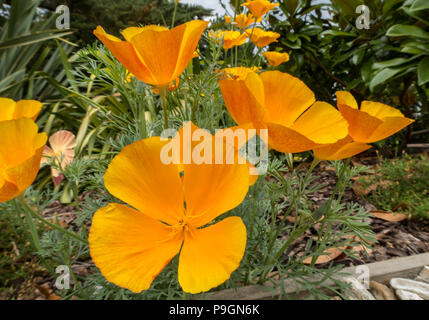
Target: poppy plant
[154, 54]
[61, 152]
[259, 7]
[171, 214]
[371, 123]
[21, 148]
[287, 108]
[10, 110]
[275, 58]
[262, 38]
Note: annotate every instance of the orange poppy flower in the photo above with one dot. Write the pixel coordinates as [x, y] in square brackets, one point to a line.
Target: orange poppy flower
[276, 58]
[372, 122]
[233, 39]
[262, 38]
[169, 216]
[21, 148]
[61, 152]
[237, 72]
[154, 54]
[259, 7]
[286, 107]
[10, 110]
[245, 20]
[228, 19]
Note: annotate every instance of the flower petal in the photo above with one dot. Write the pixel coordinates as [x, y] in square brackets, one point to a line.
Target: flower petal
[7, 109]
[345, 98]
[286, 97]
[21, 150]
[129, 248]
[62, 140]
[287, 140]
[138, 177]
[389, 127]
[380, 110]
[322, 123]
[244, 99]
[213, 189]
[126, 54]
[343, 149]
[27, 109]
[210, 255]
[361, 124]
[130, 32]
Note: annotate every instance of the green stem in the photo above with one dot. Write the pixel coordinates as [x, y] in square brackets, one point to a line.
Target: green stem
[163, 93]
[174, 14]
[31, 212]
[33, 230]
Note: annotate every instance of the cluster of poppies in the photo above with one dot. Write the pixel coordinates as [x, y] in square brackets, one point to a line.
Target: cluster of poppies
[172, 207]
[245, 26]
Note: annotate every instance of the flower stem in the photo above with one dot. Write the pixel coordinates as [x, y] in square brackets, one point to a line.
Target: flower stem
[163, 93]
[28, 211]
[174, 14]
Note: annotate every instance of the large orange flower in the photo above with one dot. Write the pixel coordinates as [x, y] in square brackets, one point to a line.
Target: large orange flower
[21, 148]
[371, 123]
[169, 216]
[259, 7]
[10, 110]
[262, 38]
[154, 54]
[286, 107]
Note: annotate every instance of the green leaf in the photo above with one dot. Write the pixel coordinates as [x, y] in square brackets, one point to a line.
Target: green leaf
[382, 76]
[420, 5]
[337, 33]
[33, 38]
[390, 63]
[291, 6]
[423, 71]
[401, 30]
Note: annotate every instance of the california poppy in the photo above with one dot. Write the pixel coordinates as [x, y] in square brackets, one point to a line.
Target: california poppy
[286, 107]
[154, 54]
[262, 38]
[275, 58]
[372, 122]
[233, 39]
[245, 20]
[21, 148]
[259, 7]
[170, 216]
[10, 110]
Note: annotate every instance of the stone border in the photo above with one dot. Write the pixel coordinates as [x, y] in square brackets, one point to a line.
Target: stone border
[382, 272]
